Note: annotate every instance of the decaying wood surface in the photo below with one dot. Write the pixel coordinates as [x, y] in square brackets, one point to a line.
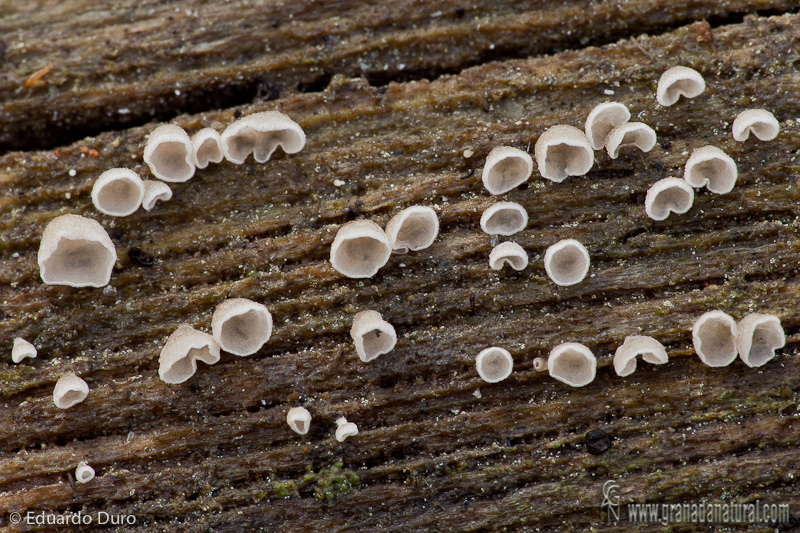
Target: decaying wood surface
[437, 448]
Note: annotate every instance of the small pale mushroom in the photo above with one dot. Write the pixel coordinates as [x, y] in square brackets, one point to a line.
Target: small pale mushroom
[118, 192]
[759, 122]
[712, 168]
[759, 336]
[69, 390]
[540, 364]
[506, 168]
[372, 335]
[494, 364]
[155, 191]
[84, 473]
[241, 326]
[649, 348]
[602, 119]
[22, 349]
[563, 151]
[76, 251]
[572, 363]
[636, 134]
[714, 336]
[345, 429]
[168, 153]
[413, 228]
[504, 218]
[178, 360]
[360, 249]
[260, 134]
[299, 419]
[508, 253]
[206, 147]
[677, 82]
[670, 195]
[566, 262]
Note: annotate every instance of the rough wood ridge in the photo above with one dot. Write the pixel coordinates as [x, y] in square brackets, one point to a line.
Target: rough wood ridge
[438, 449]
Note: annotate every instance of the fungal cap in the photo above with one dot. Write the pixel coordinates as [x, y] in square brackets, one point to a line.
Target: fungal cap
[540, 364]
[260, 134]
[504, 218]
[677, 82]
[155, 191]
[372, 335]
[572, 363]
[508, 253]
[241, 326]
[413, 228]
[22, 349]
[636, 134]
[178, 360]
[670, 195]
[206, 147]
[759, 122]
[649, 348]
[118, 192]
[69, 390]
[84, 473]
[345, 429]
[602, 119]
[712, 168]
[714, 336]
[494, 364]
[566, 262]
[759, 336]
[76, 251]
[299, 419]
[563, 151]
[168, 153]
[360, 249]
[506, 168]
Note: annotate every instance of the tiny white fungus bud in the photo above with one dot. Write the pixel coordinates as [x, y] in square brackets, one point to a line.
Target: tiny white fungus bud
[76, 251]
[360, 249]
[345, 429]
[602, 119]
[84, 473]
[299, 419]
[69, 390]
[22, 349]
[118, 192]
[508, 253]
[566, 262]
[178, 360]
[413, 228]
[241, 326]
[540, 364]
[649, 348]
[206, 147]
[636, 134]
[563, 151]
[714, 336]
[260, 134]
[759, 336]
[711, 167]
[677, 82]
[494, 364]
[155, 191]
[168, 153]
[504, 218]
[759, 122]
[506, 168]
[670, 195]
[372, 335]
[572, 363]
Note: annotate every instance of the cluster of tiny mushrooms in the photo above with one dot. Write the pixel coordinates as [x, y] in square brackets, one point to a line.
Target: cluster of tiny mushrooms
[76, 251]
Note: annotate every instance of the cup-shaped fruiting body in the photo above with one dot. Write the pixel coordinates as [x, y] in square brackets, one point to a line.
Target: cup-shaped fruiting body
[670, 195]
[155, 191]
[504, 218]
[602, 119]
[759, 336]
[345, 429]
[84, 473]
[178, 359]
[506, 168]
[508, 253]
[206, 147]
[260, 134]
[677, 82]
[241, 326]
[372, 335]
[360, 249]
[566, 262]
[69, 390]
[572, 363]
[76, 251]
[168, 153]
[712, 168]
[494, 364]
[299, 419]
[714, 336]
[413, 228]
[118, 192]
[759, 122]
[636, 134]
[540, 364]
[22, 349]
[649, 348]
[563, 151]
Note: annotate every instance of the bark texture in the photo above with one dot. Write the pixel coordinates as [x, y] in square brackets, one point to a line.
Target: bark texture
[437, 448]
